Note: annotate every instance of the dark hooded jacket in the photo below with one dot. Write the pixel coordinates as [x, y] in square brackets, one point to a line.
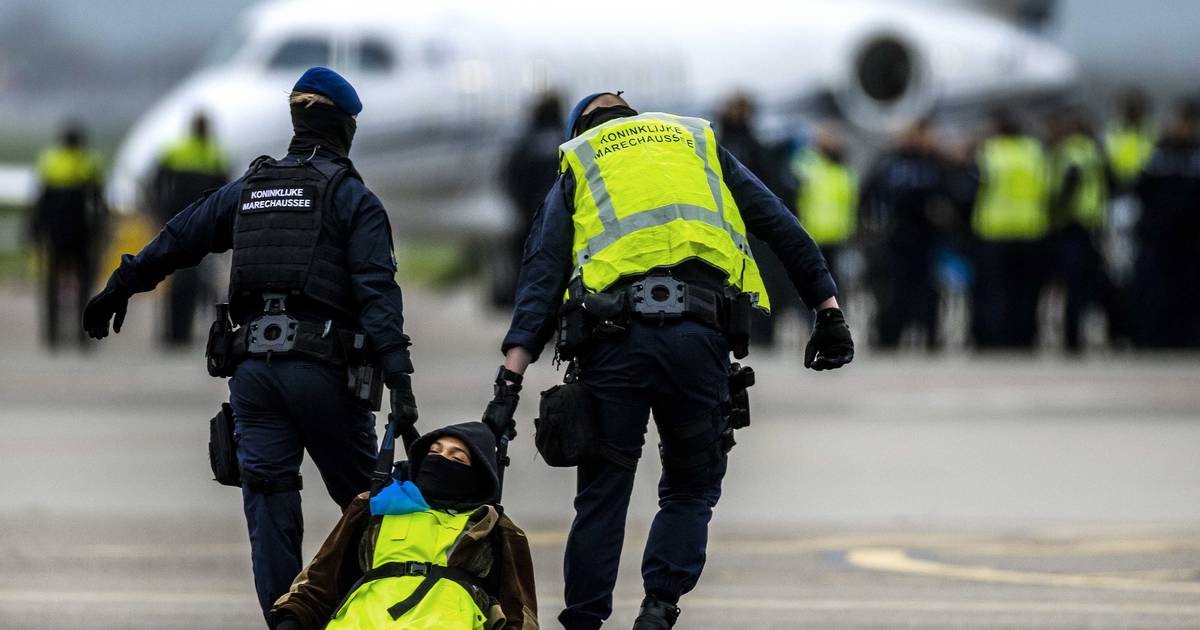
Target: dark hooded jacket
[490, 539]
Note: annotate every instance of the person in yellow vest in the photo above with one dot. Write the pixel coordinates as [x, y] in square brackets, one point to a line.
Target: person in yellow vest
[429, 550]
[826, 197]
[1010, 222]
[186, 169]
[1079, 194]
[644, 234]
[66, 224]
[1129, 141]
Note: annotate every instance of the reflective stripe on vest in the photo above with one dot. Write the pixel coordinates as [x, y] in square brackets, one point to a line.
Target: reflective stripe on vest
[649, 193]
[1128, 149]
[424, 536]
[1089, 202]
[61, 167]
[827, 199]
[1011, 204]
[195, 155]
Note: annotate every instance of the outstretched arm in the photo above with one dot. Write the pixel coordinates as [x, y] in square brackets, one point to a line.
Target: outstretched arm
[205, 226]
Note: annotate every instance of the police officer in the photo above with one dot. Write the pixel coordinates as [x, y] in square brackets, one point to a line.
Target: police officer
[826, 192]
[1010, 222]
[186, 168]
[66, 221]
[906, 205]
[648, 208]
[1079, 204]
[1129, 141]
[529, 171]
[312, 254]
[1166, 311]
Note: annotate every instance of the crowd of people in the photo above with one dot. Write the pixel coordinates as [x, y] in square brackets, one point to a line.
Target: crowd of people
[1032, 213]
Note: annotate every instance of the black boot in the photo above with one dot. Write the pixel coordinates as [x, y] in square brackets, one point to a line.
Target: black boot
[656, 615]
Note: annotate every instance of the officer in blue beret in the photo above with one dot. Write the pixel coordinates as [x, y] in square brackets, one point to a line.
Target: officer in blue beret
[313, 306]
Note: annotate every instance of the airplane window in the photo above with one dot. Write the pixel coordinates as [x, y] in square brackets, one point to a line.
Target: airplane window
[301, 53]
[375, 56]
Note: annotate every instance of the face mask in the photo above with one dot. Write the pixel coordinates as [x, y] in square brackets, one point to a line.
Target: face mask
[442, 479]
[329, 127]
[601, 115]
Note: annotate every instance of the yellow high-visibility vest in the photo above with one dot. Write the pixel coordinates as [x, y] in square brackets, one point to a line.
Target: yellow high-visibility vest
[827, 200]
[62, 167]
[195, 155]
[1128, 149]
[1011, 203]
[1089, 203]
[650, 193]
[417, 537]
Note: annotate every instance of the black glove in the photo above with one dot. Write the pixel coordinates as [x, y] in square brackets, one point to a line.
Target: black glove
[499, 412]
[287, 623]
[830, 346]
[108, 304]
[404, 404]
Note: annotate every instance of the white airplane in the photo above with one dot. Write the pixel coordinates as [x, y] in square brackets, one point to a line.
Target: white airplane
[444, 84]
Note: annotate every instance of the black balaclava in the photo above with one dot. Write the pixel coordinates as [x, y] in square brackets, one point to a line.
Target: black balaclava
[321, 125]
[601, 115]
[444, 481]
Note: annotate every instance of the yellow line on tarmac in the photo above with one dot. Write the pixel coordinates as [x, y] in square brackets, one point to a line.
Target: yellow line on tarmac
[896, 560]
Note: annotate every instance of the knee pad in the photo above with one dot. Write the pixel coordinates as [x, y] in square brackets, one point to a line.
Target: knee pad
[272, 485]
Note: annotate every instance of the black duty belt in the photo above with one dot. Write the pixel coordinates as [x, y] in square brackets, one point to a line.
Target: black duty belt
[282, 335]
[664, 298]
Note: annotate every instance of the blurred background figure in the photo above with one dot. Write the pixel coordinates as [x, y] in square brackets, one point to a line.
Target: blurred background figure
[1010, 223]
[1079, 203]
[1164, 299]
[187, 168]
[905, 211]
[529, 171]
[826, 195]
[67, 224]
[1129, 140]
[736, 132]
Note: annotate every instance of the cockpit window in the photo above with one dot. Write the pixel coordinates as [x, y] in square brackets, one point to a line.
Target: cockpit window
[375, 56]
[302, 52]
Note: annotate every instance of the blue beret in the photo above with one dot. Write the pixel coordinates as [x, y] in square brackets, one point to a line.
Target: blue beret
[578, 111]
[331, 85]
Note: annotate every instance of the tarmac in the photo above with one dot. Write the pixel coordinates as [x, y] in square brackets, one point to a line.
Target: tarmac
[899, 492]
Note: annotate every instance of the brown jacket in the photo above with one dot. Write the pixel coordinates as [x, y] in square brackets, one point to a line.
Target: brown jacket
[492, 545]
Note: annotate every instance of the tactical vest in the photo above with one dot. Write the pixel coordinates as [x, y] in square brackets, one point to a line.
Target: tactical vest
[284, 236]
[403, 597]
[1088, 203]
[1011, 203]
[827, 199]
[649, 193]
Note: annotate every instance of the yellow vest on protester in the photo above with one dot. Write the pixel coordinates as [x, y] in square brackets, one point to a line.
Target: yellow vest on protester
[1088, 204]
[425, 536]
[195, 155]
[1011, 203]
[61, 167]
[1128, 149]
[650, 193]
[827, 199]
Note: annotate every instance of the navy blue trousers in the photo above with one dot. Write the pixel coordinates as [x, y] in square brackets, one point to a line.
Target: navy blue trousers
[680, 372]
[281, 409]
